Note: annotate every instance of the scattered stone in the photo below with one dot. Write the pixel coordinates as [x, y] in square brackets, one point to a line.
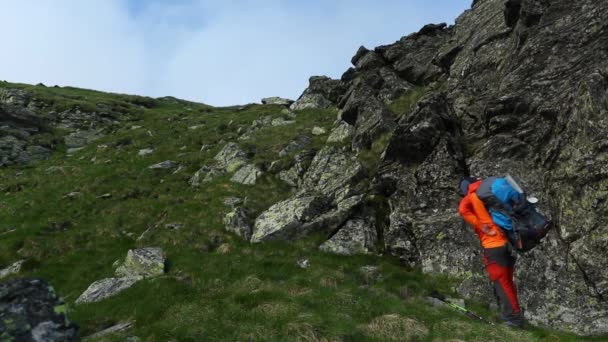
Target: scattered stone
[12, 269]
[167, 164]
[105, 288]
[195, 127]
[118, 328]
[247, 175]
[278, 122]
[104, 196]
[358, 236]
[341, 133]
[277, 101]
[237, 222]
[318, 131]
[145, 152]
[278, 165]
[303, 263]
[31, 311]
[143, 262]
[135, 127]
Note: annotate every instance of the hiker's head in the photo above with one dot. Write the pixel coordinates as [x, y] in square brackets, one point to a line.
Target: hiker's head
[464, 184]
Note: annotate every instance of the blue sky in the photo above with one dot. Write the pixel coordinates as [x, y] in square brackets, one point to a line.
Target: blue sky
[221, 52]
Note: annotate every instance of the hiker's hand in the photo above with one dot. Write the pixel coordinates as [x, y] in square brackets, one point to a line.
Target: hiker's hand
[487, 230]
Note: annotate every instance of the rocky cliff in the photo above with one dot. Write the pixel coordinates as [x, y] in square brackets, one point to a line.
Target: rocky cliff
[517, 87]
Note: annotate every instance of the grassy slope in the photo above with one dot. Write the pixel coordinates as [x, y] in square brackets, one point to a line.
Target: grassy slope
[217, 287]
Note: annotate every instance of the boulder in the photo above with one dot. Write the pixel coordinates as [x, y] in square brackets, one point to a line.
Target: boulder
[143, 262]
[231, 157]
[283, 221]
[357, 236]
[105, 288]
[341, 133]
[277, 101]
[247, 175]
[237, 222]
[31, 311]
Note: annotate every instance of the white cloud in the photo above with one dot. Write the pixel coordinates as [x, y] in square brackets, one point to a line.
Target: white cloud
[218, 52]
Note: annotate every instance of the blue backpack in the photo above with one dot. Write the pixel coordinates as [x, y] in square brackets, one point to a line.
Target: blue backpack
[511, 210]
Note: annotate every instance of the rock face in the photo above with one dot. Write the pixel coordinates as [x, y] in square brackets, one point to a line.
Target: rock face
[517, 87]
[31, 311]
[358, 236]
[18, 126]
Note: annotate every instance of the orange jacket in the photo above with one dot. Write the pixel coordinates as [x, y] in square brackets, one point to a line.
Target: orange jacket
[474, 212]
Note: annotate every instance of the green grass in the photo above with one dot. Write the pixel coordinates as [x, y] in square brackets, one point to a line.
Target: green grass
[217, 288]
[407, 102]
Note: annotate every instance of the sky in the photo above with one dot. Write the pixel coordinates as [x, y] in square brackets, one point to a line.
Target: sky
[219, 52]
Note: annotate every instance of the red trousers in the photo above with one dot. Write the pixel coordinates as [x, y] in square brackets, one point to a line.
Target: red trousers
[500, 265]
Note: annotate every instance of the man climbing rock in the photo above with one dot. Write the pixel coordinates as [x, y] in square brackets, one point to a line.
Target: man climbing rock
[497, 252]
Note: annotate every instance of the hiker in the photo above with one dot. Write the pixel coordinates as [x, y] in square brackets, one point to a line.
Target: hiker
[498, 255]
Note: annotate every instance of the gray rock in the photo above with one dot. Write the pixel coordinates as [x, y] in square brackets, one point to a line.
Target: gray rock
[117, 328]
[358, 236]
[343, 132]
[167, 164]
[277, 101]
[231, 157]
[31, 311]
[332, 173]
[322, 92]
[303, 263]
[12, 269]
[247, 175]
[204, 175]
[232, 201]
[283, 221]
[237, 222]
[278, 122]
[297, 144]
[105, 288]
[371, 274]
[318, 130]
[293, 176]
[80, 138]
[143, 262]
[145, 152]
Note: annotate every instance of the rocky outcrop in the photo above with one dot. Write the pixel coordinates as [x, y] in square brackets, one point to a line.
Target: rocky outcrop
[139, 264]
[247, 175]
[12, 269]
[515, 87]
[277, 101]
[358, 236]
[31, 311]
[322, 92]
[18, 127]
